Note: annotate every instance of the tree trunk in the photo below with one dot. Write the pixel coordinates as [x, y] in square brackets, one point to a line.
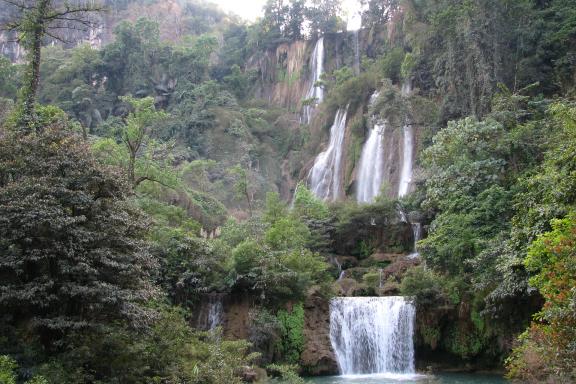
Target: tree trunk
[37, 31]
[132, 170]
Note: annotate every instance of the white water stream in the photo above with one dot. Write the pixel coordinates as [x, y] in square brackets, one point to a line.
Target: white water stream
[373, 335]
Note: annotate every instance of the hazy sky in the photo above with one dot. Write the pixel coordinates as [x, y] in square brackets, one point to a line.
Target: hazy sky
[252, 9]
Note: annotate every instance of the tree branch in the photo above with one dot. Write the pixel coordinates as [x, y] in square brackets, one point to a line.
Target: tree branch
[149, 178]
[20, 5]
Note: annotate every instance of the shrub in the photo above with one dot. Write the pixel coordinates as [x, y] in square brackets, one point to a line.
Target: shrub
[292, 333]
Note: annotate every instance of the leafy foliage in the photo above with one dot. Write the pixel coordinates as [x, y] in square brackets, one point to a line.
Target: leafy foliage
[72, 246]
[292, 333]
[547, 349]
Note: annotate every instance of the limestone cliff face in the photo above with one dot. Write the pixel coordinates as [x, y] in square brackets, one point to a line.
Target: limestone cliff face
[318, 356]
[173, 18]
[283, 74]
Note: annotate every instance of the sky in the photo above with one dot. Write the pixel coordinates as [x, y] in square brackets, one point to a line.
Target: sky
[252, 9]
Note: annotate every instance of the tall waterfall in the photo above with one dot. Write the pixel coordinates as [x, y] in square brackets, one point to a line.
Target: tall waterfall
[373, 335]
[371, 167]
[407, 150]
[316, 93]
[324, 177]
[356, 52]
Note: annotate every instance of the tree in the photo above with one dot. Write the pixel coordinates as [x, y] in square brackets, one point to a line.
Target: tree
[36, 20]
[296, 18]
[547, 350]
[242, 185]
[378, 12]
[72, 251]
[142, 158]
[324, 17]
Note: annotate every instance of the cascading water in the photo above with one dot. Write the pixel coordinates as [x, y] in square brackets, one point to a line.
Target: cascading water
[371, 173]
[211, 312]
[356, 52]
[373, 335]
[215, 311]
[417, 231]
[324, 177]
[407, 150]
[315, 93]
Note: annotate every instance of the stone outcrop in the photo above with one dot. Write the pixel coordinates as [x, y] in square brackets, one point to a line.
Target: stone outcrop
[318, 357]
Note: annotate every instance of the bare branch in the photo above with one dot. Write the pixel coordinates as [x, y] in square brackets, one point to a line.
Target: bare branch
[19, 4]
[148, 178]
[72, 11]
[58, 38]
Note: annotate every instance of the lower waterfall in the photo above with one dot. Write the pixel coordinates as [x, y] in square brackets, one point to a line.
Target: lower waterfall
[373, 335]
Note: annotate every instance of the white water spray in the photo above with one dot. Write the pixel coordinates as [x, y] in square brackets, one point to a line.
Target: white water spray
[373, 335]
[315, 93]
[324, 177]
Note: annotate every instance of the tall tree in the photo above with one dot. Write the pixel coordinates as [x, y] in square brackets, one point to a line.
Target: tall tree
[141, 157]
[36, 20]
[72, 250]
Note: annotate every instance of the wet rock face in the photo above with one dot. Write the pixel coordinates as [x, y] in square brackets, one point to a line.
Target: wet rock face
[318, 357]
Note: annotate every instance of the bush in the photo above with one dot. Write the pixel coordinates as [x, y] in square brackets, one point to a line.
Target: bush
[427, 288]
[292, 333]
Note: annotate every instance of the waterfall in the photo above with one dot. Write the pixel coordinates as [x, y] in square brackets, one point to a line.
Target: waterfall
[407, 150]
[215, 310]
[324, 177]
[371, 166]
[373, 335]
[417, 231]
[356, 52]
[211, 312]
[315, 93]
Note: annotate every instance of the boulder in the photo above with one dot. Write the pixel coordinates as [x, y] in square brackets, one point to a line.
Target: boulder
[318, 357]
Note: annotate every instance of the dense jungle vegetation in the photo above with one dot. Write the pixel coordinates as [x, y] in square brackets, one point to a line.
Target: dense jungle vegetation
[139, 177]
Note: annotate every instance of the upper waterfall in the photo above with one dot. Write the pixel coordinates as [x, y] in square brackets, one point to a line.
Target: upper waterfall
[407, 150]
[371, 167]
[373, 335]
[315, 93]
[324, 177]
[356, 52]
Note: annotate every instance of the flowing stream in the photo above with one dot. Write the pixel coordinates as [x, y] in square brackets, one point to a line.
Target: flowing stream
[324, 177]
[373, 335]
[315, 93]
[371, 167]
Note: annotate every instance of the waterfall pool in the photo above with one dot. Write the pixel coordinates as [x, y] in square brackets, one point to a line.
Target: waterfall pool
[443, 378]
